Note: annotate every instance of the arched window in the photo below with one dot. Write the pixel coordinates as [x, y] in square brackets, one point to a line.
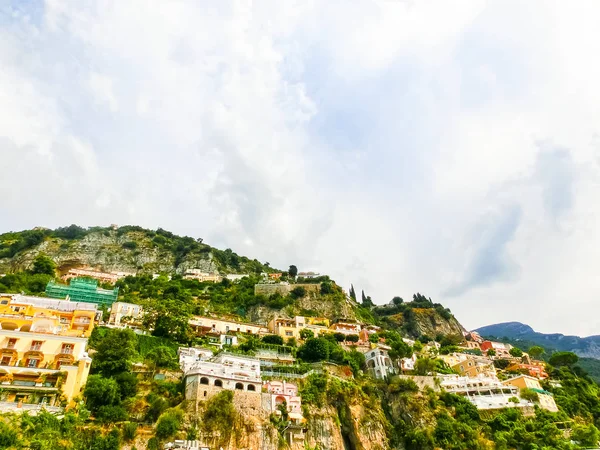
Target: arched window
[203, 380]
[239, 386]
[218, 383]
[251, 387]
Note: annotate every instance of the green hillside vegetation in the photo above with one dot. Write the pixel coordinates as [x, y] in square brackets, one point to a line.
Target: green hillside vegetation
[126, 243]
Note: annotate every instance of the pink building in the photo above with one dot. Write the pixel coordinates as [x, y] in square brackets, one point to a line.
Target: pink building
[284, 392]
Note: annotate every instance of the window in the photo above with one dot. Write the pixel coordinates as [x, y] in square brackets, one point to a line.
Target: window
[36, 345]
[5, 361]
[289, 333]
[32, 362]
[11, 343]
[67, 349]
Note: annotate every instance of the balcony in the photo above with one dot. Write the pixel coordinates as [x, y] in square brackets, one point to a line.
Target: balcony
[66, 351]
[31, 407]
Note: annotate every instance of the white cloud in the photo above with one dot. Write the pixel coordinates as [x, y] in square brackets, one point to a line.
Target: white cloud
[401, 146]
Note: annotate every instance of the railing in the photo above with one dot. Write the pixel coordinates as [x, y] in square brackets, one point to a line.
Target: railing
[66, 351]
[34, 407]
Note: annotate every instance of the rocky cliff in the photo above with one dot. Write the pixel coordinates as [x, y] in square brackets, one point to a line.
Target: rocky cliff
[127, 249]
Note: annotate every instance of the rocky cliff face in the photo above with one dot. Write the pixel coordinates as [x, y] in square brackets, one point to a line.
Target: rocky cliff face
[108, 250]
[431, 323]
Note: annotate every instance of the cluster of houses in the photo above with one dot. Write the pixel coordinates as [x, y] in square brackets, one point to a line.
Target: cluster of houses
[44, 360]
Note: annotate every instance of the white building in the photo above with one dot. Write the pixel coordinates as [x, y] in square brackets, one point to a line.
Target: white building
[236, 276]
[408, 363]
[484, 392]
[119, 310]
[225, 371]
[378, 363]
[189, 356]
[204, 325]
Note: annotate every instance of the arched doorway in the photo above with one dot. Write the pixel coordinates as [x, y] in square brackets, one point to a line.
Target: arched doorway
[218, 383]
[239, 386]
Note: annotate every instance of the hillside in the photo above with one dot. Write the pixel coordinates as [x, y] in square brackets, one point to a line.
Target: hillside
[126, 248]
[582, 346]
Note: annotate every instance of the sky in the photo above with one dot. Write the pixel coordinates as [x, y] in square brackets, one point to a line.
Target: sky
[446, 148]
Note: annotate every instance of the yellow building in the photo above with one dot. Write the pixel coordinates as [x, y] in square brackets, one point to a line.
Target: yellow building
[287, 328]
[474, 366]
[43, 358]
[545, 398]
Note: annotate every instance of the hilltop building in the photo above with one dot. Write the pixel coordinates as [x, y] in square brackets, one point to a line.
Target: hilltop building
[287, 328]
[502, 350]
[475, 366]
[379, 364]
[197, 274]
[102, 277]
[130, 312]
[209, 325]
[545, 398]
[205, 378]
[84, 290]
[345, 326]
[486, 393]
[43, 358]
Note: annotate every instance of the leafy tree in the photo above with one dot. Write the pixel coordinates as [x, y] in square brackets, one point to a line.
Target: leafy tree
[516, 352]
[314, 349]
[272, 339]
[536, 351]
[491, 352]
[162, 357]
[111, 414]
[293, 271]
[587, 435]
[220, 416]
[168, 424]
[397, 301]
[100, 391]
[115, 352]
[559, 359]
[339, 337]
[424, 366]
[529, 394]
[292, 342]
[374, 338]
[130, 431]
[43, 265]
[298, 292]
[352, 338]
[127, 383]
[305, 334]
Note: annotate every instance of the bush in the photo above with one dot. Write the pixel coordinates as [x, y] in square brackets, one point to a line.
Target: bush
[352, 338]
[129, 245]
[168, 424]
[111, 414]
[298, 292]
[305, 333]
[399, 385]
[272, 339]
[100, 392]
[129, 431]
[314, 349]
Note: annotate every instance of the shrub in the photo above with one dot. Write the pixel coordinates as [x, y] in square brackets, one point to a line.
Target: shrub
[272, 339]
[129, 245]
[168, 424]
[298, 292]
[129, 431]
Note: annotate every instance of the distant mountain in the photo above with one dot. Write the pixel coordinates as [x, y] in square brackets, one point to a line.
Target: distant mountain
[583, 346]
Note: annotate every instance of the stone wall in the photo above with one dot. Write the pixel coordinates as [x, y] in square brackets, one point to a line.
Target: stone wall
[422, 381]
[269, 289]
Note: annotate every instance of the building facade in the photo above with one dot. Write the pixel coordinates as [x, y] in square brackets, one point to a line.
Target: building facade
[103, 277]
[130, 312]
[207, 325]
[204, 378]
[84, 290]
[545, 398]
[484, 392]
[345, 326]
[43, 357]
[475, 366]
[502, 350]
[378, 363]
[287, 328]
